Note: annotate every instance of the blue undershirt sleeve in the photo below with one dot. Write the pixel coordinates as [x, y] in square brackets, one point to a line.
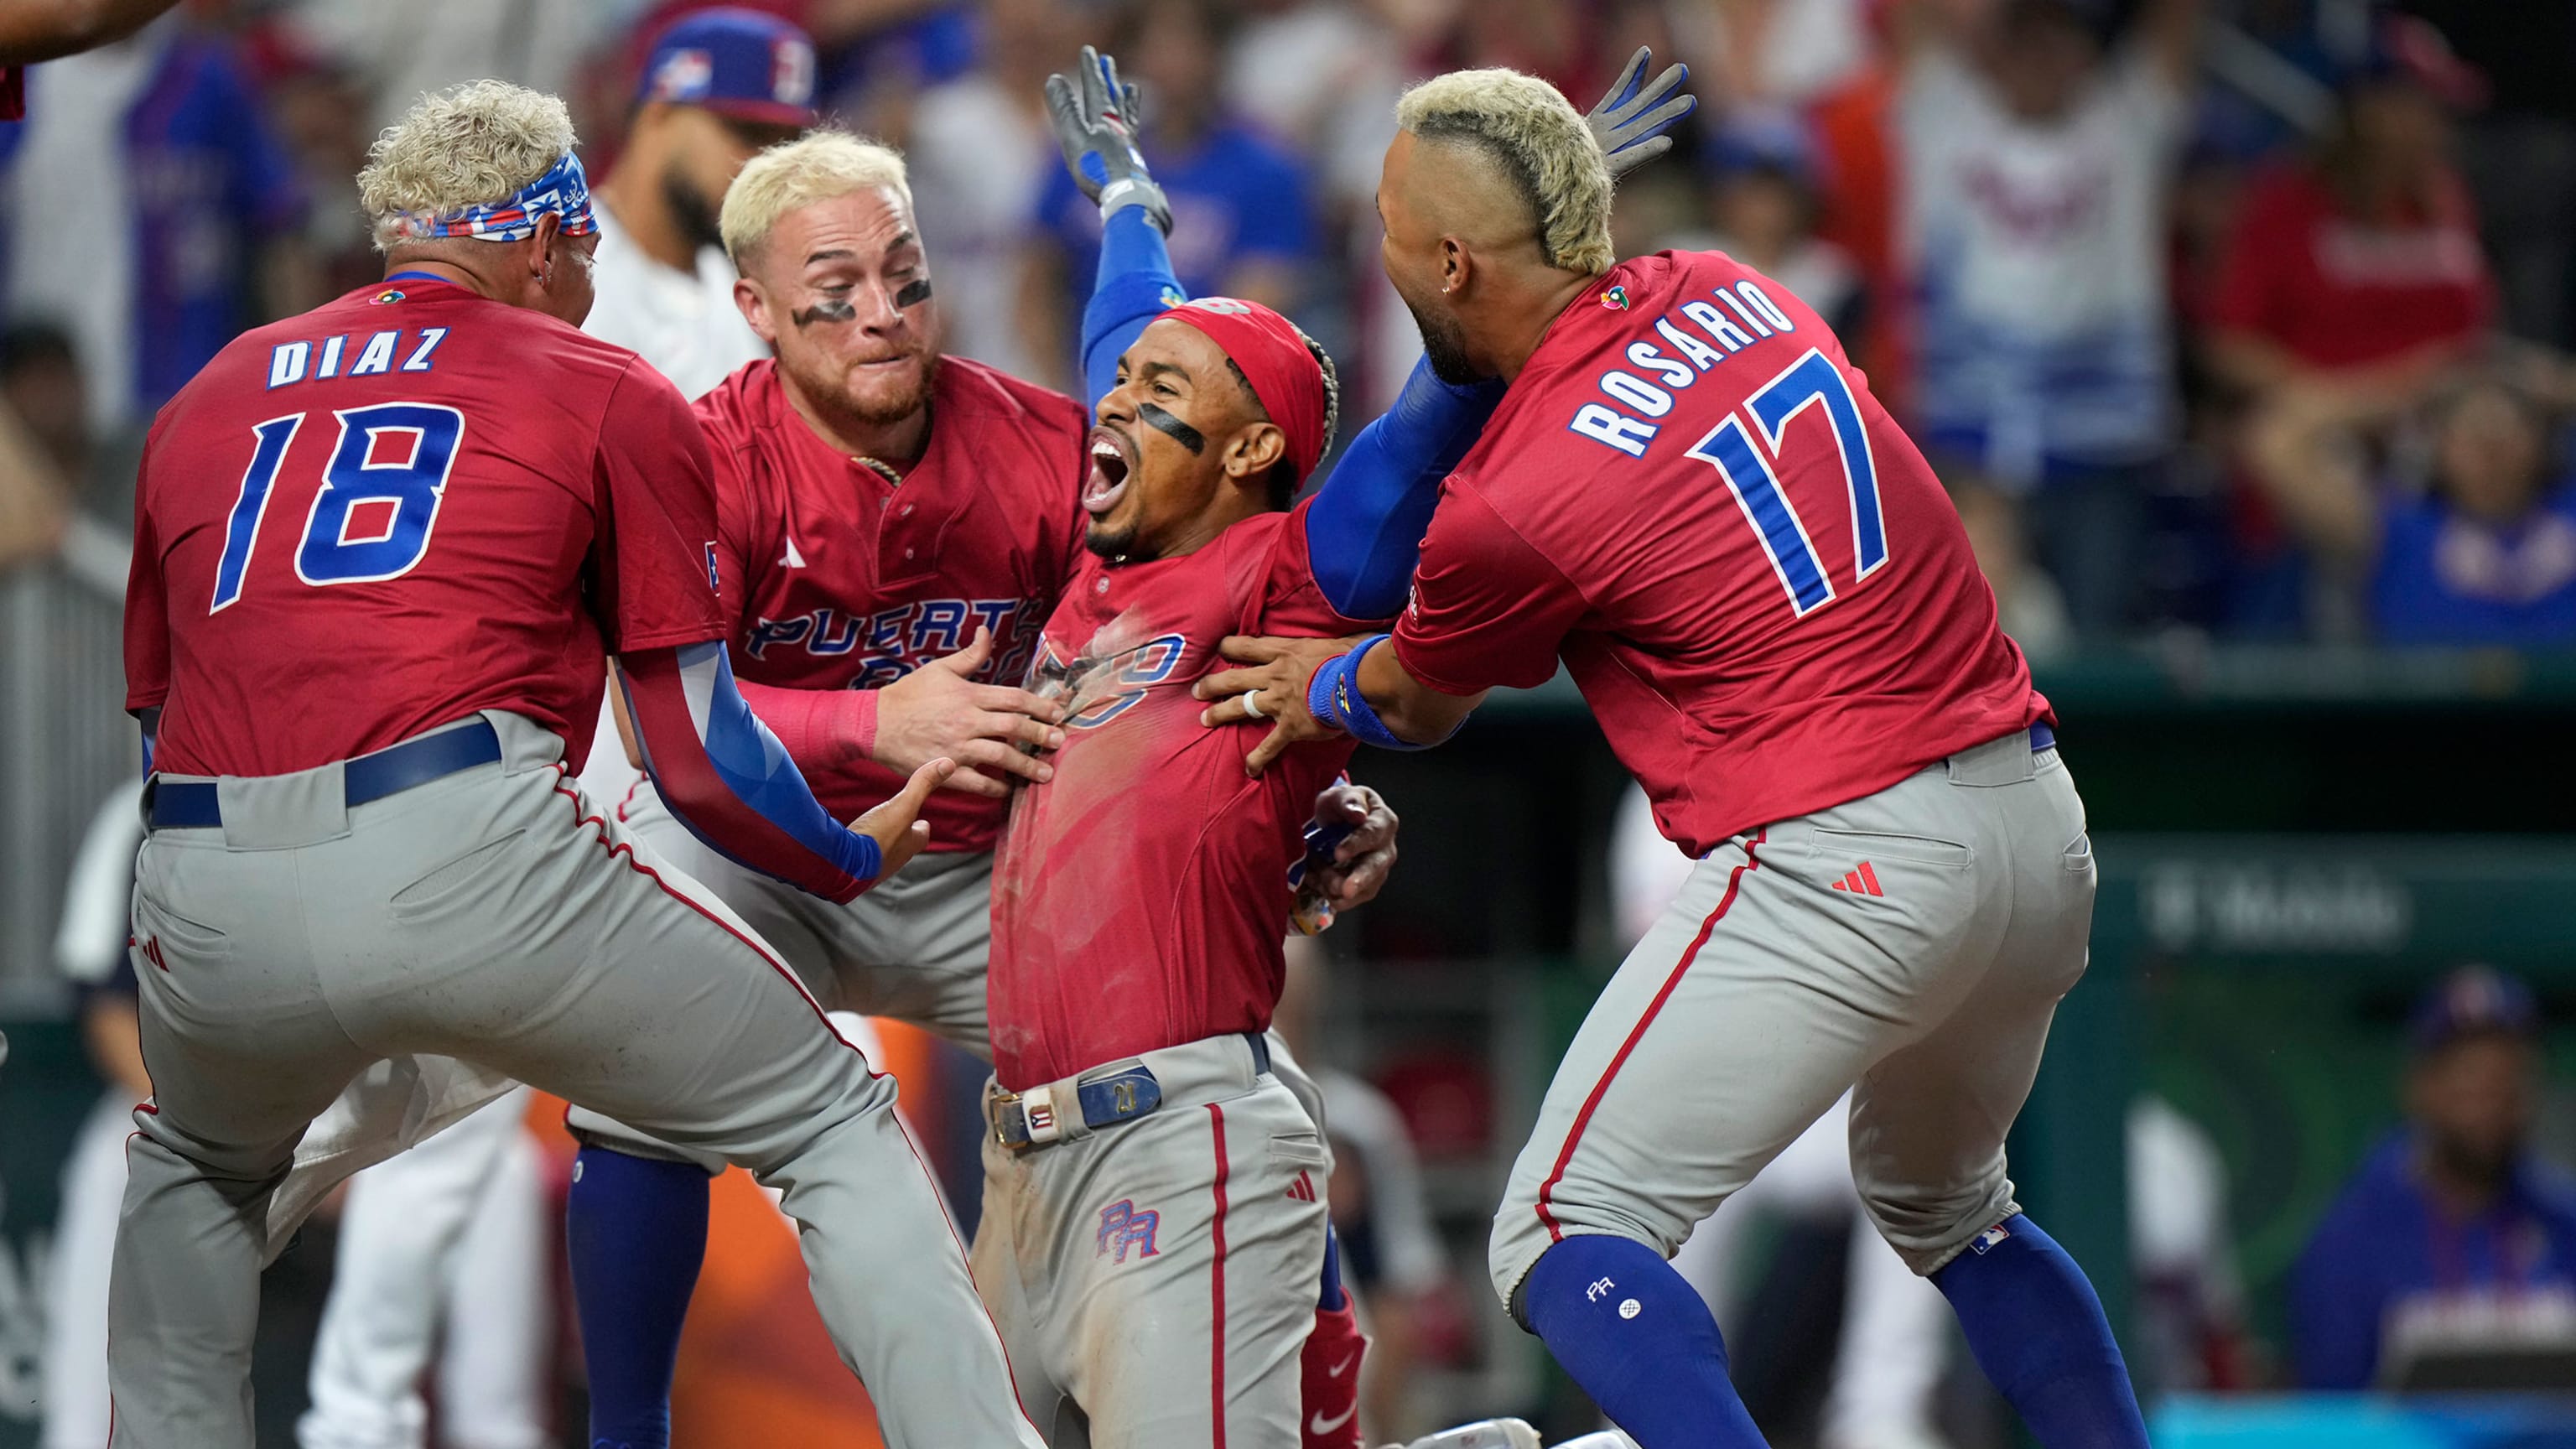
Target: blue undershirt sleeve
[1365, 529]
[1134, 286]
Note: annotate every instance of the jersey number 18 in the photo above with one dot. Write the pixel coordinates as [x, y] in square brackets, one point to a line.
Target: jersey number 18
[421, 439]
[1812, 380]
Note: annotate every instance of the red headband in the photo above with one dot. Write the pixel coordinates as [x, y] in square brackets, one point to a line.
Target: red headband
[1285, 375]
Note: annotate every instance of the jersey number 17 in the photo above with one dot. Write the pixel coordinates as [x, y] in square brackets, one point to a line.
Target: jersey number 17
[421, 441]
[1811, 381]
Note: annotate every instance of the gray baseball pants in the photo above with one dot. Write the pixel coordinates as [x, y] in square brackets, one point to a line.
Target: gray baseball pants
[1914, 942]
[1155, 1280]
[914, 949]
[494, 916]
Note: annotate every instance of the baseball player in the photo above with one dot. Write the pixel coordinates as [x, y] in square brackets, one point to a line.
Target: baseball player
[362, 842]
[452, 1230]
[862, 647]
[902, 522]
[1152, 1191]
[1689, 496]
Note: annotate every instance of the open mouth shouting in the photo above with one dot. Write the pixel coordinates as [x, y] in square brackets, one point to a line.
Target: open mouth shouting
[1113, 460]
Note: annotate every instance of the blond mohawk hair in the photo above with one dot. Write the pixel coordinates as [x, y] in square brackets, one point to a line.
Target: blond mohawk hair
[792, 175]
[1542, 144]
[468, 145]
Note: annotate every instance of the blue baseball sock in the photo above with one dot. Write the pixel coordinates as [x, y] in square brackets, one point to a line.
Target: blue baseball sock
[1333, 1299]
[636, 1232]
[1639, 1340]
[2038, 1331]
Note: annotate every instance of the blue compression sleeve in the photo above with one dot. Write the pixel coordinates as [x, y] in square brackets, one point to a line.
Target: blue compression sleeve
[729, 780]
[1365, 529]
[1135, 284]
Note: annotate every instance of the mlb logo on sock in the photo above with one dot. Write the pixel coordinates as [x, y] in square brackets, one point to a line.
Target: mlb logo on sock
[1989, 1239]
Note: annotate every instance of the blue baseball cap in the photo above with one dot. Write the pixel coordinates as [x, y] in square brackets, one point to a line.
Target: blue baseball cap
[747, 64]
[2473, 1001]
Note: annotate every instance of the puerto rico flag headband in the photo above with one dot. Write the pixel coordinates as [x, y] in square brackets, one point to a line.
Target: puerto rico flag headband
[563, 190]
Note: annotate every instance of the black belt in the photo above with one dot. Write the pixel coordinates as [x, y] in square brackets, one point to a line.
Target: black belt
[1027, 1119]
[190, 804]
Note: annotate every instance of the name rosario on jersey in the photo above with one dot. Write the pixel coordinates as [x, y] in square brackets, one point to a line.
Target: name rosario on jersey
[366, 354]
[892, 642]
[1694, 337]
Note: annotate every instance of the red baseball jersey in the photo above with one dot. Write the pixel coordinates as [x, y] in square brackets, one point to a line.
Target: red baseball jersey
[1141, 896]
[397, 509]
[849, 581]
[1690, 495]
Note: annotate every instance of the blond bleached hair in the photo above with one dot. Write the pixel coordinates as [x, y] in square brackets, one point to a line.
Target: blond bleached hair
[468, 145]
[792, 175]
[1540, 141]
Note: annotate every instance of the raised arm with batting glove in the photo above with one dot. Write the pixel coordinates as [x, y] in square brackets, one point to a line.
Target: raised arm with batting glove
[1366, 524]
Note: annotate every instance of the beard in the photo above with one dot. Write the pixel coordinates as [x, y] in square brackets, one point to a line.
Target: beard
[1444, 343]
[1113, 544]
[893, 402]
[827, 387]
[695, 215]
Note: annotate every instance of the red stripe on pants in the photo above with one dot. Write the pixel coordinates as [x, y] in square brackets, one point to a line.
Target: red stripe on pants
[1216, 1358]
[1601, 1088]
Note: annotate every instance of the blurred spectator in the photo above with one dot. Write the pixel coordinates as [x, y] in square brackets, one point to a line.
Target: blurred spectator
[2451, 1240]
[2360, 262]
[2486, 554]
[90, 947]
[980, 154]
[319, 110]
[1321, 76]
[1391, 1254]
[1784, 52]
[403, 50]
[718, 86]
[1242, 223]
[2036, 168]
[2520, 156]
[42, 382]
[150, 211]
[44, 440]
[1762, 193]
[2027, 601]
[2182, 1251]
[34, 30]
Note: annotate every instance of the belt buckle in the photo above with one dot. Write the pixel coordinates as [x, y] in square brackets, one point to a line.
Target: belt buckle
[1036, 1116]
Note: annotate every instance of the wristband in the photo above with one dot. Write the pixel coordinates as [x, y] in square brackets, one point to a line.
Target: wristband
[1129, 191]
[1334, 697]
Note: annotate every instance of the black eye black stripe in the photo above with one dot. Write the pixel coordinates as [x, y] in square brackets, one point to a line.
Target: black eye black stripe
[836, 309]
[1180, 432]
[914, 293]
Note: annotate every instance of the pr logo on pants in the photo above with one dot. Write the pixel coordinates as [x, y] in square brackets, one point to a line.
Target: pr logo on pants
[1122, 1226]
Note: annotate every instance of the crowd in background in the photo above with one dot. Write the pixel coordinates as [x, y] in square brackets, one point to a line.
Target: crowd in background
[2238, 316]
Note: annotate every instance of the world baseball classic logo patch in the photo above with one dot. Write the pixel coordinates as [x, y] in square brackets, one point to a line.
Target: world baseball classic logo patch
[1123, 1225]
